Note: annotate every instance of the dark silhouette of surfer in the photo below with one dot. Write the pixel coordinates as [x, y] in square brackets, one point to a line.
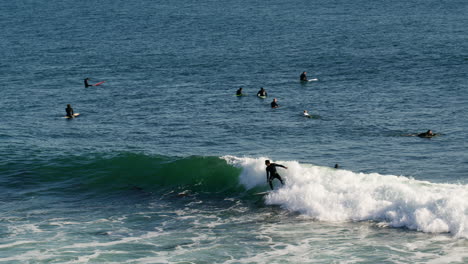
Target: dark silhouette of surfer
[86, 84]
[262, 92]
[271, 172]
[274, 103]
[427, 134]
[70, 112]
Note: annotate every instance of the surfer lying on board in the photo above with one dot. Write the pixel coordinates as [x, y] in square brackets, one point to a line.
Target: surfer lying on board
[426, 134]
[271, 172]
[303, 77]
[69, 111]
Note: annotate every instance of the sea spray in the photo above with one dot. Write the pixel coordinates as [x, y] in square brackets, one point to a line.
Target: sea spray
[328, 194]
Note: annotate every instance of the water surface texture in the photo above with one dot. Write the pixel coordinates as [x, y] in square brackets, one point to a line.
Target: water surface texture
[164, 162]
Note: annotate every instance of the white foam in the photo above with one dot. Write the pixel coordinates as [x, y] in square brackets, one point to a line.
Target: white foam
[327, 194]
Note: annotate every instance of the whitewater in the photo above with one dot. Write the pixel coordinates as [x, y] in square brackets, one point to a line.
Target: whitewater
[337, 195]
[164, 163]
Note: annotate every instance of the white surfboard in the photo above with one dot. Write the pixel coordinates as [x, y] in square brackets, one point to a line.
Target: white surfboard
[262, 193]
[74, 115]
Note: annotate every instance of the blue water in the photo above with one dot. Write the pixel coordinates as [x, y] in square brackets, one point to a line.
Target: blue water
[164, 160]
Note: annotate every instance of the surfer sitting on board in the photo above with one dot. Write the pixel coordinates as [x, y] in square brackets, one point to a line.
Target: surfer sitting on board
[274, 104]
[271, 172]
[262, 92]
[239, 92]
[69, 111]
[86, 84]
[303, 77]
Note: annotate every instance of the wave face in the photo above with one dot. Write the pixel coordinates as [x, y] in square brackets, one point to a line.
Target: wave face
[321, 193]
[327, 194]
[104, 174]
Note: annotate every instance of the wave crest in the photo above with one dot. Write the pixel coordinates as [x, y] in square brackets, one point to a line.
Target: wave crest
[329, 194]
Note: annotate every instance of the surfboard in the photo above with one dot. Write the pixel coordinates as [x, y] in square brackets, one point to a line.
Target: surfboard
[262, 96]
[239, 95]
[99, 83]
[261, 193]
[312, 80]
[74, 115]
[428, 136]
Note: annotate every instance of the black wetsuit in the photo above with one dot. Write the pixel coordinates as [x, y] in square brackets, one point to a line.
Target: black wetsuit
[86, 83]
[274, 104]
[239, 92]
[272, 173]
[69, 111]
[262, 93]
[426, 135]
[303, 77]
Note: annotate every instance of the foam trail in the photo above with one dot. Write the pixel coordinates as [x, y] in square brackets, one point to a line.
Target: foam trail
[327, 194]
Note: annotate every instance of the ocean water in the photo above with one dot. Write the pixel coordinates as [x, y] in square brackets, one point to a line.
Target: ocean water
[164, 163]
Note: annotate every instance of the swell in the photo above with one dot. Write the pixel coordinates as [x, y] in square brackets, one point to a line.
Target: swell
[104, 173]
[321, 193]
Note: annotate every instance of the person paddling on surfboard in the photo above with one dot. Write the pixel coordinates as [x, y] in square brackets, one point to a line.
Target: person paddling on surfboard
[271, 172]
[426, 134]
[303, 77]
[70, 112]
[262, 92]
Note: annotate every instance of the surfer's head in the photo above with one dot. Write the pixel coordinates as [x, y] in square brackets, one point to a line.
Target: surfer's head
[267, 162]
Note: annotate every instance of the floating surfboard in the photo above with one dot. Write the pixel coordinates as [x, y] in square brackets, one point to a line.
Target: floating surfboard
[312, 80]
[99, 83]
[74, 115]
[262, 96]
[261, 193]
[239, 95]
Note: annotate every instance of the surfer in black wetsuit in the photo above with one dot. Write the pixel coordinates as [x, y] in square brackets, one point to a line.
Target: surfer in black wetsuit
[303, 77]
[426, 134]
[69, 111]
[239, 92]
[86, 84]
[274, 103]
[271, 172]
[262, 92]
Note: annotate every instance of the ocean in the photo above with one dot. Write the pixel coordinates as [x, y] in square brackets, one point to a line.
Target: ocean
[165, 163]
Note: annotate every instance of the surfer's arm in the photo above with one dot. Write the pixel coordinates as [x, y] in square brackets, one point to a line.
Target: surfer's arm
[281, 166]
